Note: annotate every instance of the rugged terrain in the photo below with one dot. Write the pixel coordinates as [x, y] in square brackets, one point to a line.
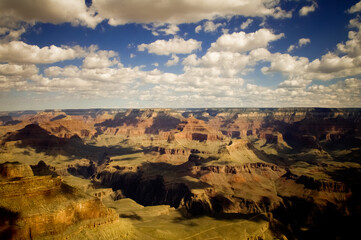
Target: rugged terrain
[181, 173]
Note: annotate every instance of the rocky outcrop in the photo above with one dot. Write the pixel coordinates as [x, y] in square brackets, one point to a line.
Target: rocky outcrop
[60, 116]
[182, 152]
[11, 170]
[8, 121]
[35, 136]
[197, 130]
[272, 138]
[41, 169]
[85, 169]
[247, 168]
[318, 185]
[138, 122]
[145, 191]
[44, 206]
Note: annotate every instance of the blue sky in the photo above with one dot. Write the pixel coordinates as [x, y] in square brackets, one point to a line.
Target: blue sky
[179, 53]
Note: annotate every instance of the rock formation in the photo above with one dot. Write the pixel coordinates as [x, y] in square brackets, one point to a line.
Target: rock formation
[43, 206]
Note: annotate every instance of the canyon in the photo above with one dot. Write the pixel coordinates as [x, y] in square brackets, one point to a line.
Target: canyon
[222, 173]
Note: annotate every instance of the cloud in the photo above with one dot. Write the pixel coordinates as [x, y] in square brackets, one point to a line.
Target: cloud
[286, 64]
[304, 11]
[295, 83]
[18, 70]
[355, 8]
[329, 66]
[343, 93]
[116, 75]
[183, 11]
[73, 11]
[87, 82]
[171, 29]
[297, 92]
[218, 78]
[11, 33]
[291, 48]
[208, 26]
[20, 52]
[129, 83]
[122, 12]
[198, 29]
[197, 87]
[100, 59]
[173, 61]
[226, 64]
[157, 77]
[245, 24]
[160, 28]
[172, 46]
[202, 84]
[16, 76]
[301, 42]
[232, 55]
[353, 46]
[242, 42]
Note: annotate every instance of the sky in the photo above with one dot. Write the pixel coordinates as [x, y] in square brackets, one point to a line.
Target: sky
[179, 53]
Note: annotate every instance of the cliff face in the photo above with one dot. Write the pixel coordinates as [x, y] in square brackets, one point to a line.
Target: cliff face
[40, 206]
[11, 170]
[197, 130]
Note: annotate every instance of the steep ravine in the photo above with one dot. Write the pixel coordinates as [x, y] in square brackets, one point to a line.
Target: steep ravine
[147, 192]
[295, 216]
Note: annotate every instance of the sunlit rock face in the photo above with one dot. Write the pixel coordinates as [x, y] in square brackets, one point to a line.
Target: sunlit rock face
[10, 170]
[41, 206]
[296, 169]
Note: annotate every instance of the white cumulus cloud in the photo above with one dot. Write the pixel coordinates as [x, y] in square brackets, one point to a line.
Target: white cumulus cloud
[16, 76]
[173, 61]
[242, 42]
[160, 28]
[100, 59]
[210, 26]
[245, 24]
[198, 29]
[301, 42]
[172, 46]
[355, 8]
[304, 11]
[20, 52]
